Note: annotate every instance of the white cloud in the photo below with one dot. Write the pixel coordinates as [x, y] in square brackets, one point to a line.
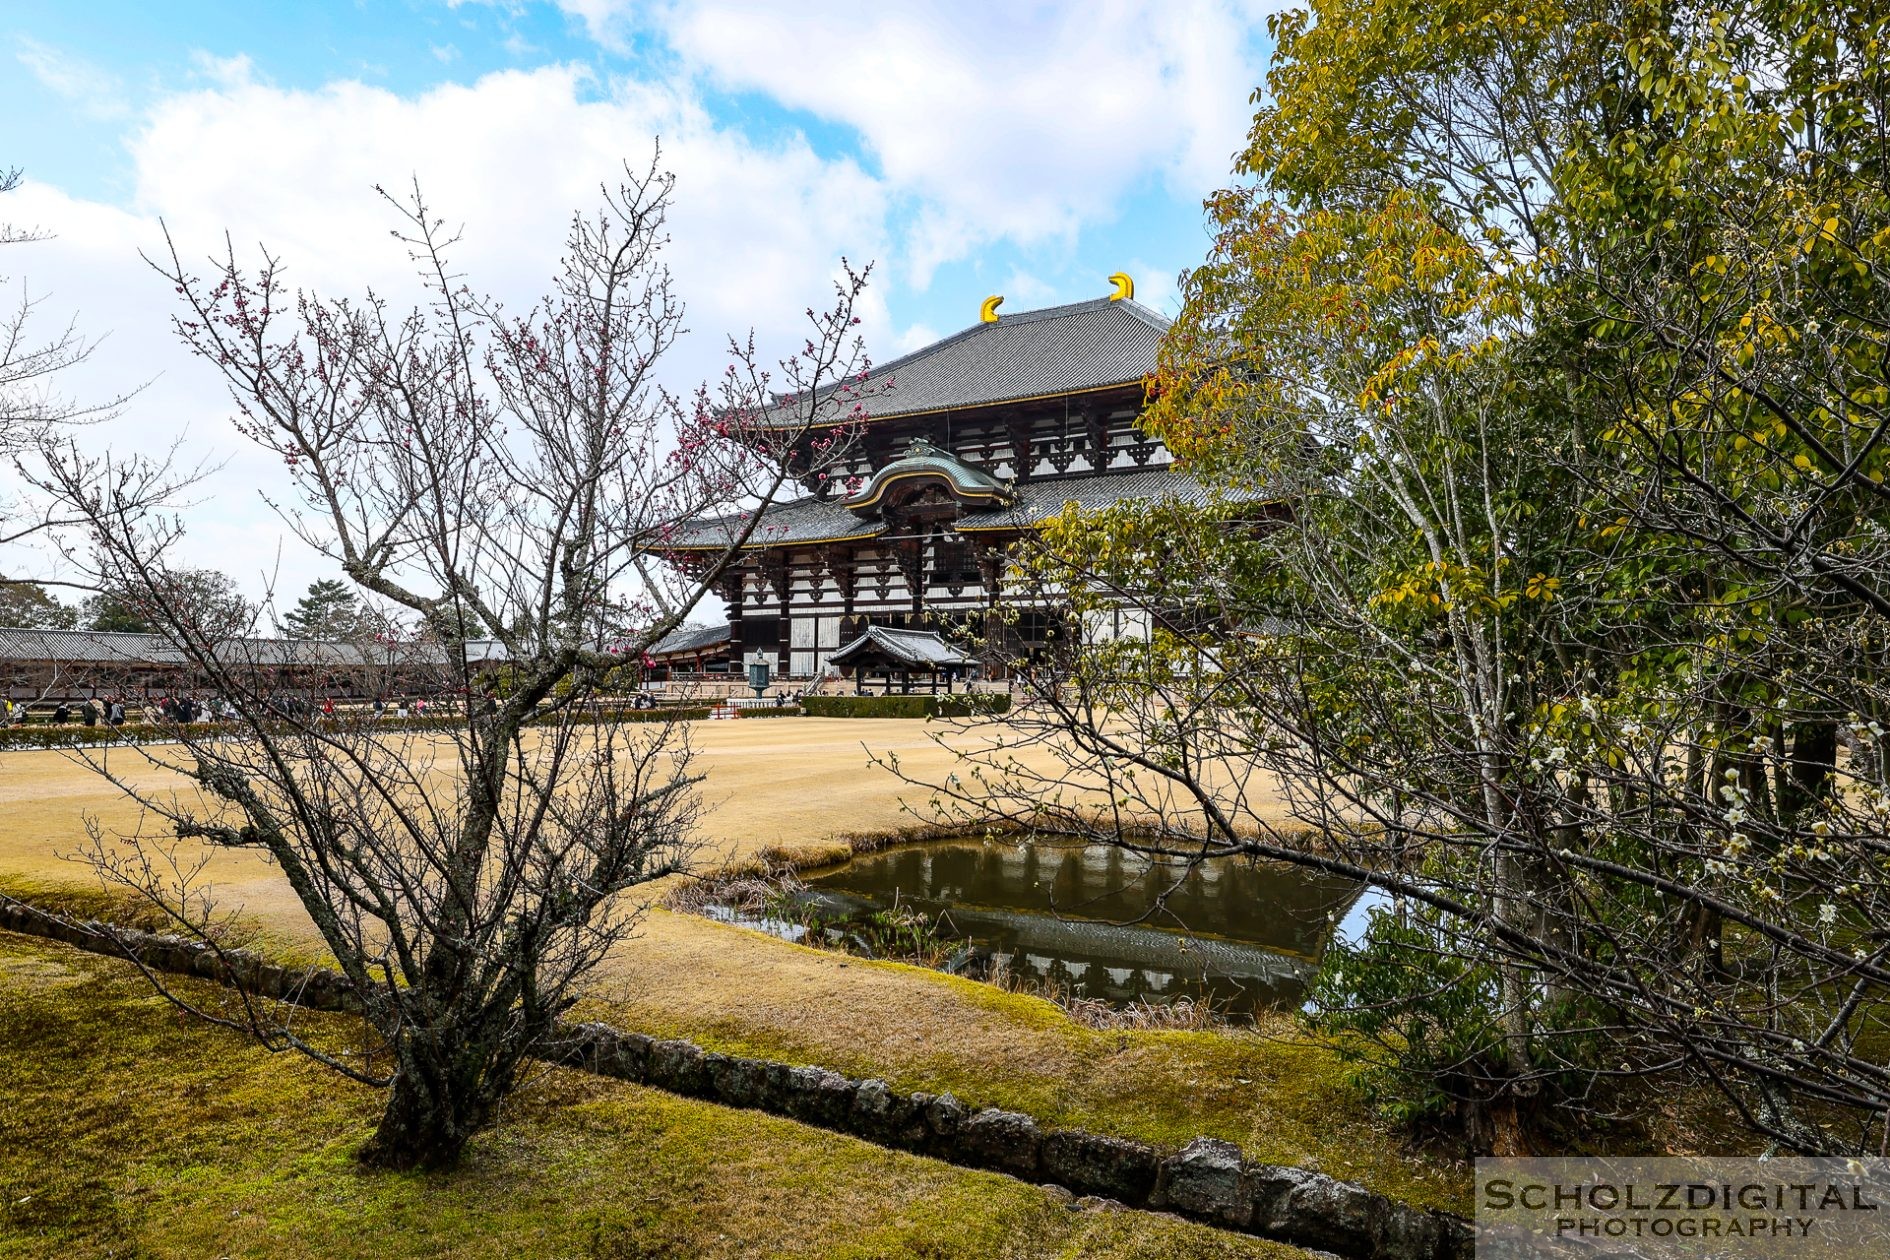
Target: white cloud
[607, 21]
[92, 91]
[1018, 122]
[1001, 122]
[916, 337]
[757, 232]
[1025, 290]
[1155, 286]
[233, 71]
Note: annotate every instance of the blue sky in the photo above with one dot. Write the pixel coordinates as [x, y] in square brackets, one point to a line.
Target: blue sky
[1024, 149]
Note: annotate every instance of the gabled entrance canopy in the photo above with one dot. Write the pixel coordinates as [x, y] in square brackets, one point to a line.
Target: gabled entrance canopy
[887, 652]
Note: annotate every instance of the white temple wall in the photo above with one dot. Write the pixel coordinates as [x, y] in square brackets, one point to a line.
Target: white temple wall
[1109, 624]
[811, 640]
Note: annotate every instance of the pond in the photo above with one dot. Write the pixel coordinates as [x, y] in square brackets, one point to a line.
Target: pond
[1101, 923]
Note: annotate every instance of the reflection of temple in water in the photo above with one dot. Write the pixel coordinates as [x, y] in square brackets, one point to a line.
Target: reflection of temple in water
[1102, 922]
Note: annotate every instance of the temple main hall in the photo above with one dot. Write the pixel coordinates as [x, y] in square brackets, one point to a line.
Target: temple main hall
[969, 445]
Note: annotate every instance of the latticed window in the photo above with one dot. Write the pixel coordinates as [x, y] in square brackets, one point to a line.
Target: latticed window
[953, 561]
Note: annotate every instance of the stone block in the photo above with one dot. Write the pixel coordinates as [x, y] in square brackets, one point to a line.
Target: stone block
[738, 1082]
[677, 1067]
[1205, 1180]
[633, 1057]
[944, 1116]
[1311, 1209]
[775, 1090]
[819, 1097]
[881, 1115]
[1003, 1141]
[1094, 1164]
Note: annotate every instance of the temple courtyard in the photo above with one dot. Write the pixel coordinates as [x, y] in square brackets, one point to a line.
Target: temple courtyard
[787, 785]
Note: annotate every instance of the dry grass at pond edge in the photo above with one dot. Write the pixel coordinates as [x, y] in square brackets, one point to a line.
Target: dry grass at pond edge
[759, 896]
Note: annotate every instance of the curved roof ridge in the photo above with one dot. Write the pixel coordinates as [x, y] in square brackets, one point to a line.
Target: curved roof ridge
[968, 482]
[1100, 343]
[1153, 318]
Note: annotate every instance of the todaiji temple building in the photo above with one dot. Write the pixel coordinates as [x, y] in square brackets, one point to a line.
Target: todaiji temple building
[970, 444]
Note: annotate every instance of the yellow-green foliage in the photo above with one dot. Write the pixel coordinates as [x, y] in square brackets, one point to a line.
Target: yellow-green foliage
[125, 1130]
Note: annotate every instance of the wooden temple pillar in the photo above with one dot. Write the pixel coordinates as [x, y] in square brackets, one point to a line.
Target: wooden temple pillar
[909, 555]
[732, 586]
[780, 578]
[839, 563]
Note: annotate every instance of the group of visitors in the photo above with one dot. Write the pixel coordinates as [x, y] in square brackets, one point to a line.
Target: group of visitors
[117, 710]
[90, 712]
[401, 708]
[186, 708]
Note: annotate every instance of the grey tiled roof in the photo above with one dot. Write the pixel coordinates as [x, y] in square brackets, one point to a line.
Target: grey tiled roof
[805, 521]
[481, 650]
[798, 522]
[920, 649]
[86, 647]
[1057, 350]
[1038, 501]
[691, 639]
[110, 647]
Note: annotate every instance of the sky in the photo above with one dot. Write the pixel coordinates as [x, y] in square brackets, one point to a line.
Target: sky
[964, 148]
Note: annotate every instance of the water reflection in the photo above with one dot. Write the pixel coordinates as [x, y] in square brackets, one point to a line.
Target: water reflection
[1105, 923]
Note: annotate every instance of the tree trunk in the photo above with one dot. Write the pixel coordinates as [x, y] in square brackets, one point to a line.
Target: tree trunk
[1509, 1138]
[422, 1127]
[1813, 762]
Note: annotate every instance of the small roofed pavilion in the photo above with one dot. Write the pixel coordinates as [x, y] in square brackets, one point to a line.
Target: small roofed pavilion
[888, 653]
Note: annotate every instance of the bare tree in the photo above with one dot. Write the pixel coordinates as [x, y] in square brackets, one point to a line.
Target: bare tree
[496, 477]
[31, 406]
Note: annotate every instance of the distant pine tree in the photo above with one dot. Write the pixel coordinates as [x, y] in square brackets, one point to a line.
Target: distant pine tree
[330, 610]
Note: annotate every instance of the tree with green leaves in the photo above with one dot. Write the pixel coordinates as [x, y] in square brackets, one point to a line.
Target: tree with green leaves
[112, 613]
[31, 605]
[138, 608]
[1537, 371]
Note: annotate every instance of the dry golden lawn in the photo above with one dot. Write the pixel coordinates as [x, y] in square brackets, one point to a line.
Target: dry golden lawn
[795, 783]
[782, 783]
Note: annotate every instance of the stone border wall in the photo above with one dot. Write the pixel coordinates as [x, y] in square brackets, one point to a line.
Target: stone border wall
[1208, 1180]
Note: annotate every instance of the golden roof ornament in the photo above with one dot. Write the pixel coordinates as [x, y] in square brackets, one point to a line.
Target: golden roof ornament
[1125, 287]
[988, 312]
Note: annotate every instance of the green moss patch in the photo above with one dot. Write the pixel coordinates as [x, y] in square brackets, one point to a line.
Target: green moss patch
[1283, 1097]
[129, 1129]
